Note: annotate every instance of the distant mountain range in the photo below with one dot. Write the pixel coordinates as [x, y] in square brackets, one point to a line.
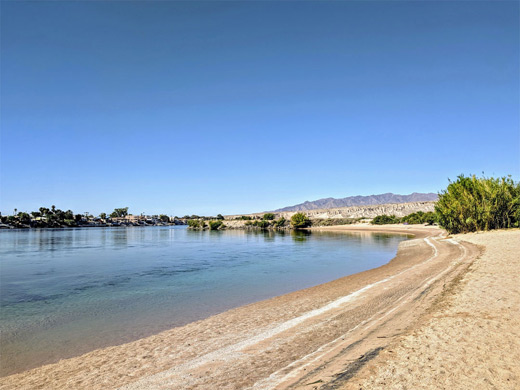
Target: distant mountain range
[331, 203]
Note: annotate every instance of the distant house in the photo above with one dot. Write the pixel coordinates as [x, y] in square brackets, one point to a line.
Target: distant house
[129, 219]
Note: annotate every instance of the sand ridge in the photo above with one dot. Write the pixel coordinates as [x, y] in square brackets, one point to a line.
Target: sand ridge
[282, 342]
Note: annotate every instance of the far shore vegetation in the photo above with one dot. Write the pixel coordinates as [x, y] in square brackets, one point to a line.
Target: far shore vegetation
[56, 218]
[420, 217]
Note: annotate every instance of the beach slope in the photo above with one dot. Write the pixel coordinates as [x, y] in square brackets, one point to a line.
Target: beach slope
[322, 337]
[471, 338]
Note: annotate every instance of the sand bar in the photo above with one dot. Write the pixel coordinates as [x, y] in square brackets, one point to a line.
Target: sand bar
[283, 342]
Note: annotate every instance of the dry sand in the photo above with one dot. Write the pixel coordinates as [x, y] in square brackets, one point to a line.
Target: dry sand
[472, 337]
[337, 334]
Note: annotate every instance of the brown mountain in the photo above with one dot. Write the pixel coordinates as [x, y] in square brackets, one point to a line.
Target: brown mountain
[330, 203]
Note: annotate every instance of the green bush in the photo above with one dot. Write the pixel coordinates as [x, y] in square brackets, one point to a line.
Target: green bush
[268, 216]
[385, 220]
[196, 224]
[216, 225]
[300, 220]
[279, 223]
[420, 217]
[258, 224]
[413, 218]
[261, 224]
[334, 221]
[430, 218]
[470, 204]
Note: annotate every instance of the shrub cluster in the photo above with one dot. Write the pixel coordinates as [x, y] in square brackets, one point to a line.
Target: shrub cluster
[300, 221]
[280, 223]
[385, 219]
[267, 223]
[216, 225]
[415, 218]
[259, 224]
[196, 224]
[471, 203]
[420, 217]
[334, 221]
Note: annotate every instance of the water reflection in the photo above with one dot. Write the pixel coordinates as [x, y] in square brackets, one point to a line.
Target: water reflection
[50, 240]
[300, 236]
[119, 237]
[269, 235]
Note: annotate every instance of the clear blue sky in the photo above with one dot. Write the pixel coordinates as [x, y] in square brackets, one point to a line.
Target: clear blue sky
[229, 107]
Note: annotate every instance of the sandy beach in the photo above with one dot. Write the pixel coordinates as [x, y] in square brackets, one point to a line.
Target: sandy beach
[470, 337]
[442, 314]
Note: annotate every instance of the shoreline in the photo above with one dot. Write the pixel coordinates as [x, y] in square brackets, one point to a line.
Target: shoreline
[270, 335]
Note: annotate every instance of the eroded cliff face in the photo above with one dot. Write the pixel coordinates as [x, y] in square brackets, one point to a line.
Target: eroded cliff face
[397, 209]
[353, 201]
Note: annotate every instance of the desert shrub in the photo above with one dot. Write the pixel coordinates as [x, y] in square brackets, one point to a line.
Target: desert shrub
[413, 218]
[268, 216]
[196, 224]
[471, 203]
[384, 219]
[334, 221]
[429, 218]
[279, 223]
[216, 225]
[300, 220]
[420, 217]
[261, 224]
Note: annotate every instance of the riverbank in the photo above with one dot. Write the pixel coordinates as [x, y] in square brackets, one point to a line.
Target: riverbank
[284, 342]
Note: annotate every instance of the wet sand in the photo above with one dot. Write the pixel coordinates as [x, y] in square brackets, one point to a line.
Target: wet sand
[321, 337]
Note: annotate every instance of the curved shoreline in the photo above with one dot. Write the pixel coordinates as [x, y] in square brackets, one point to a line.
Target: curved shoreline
[264, 342]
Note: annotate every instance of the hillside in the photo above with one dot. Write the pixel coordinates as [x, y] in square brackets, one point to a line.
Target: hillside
[370, 211]
[332, 203]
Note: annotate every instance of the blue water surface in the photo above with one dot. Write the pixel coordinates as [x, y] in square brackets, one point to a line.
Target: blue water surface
[67, 291]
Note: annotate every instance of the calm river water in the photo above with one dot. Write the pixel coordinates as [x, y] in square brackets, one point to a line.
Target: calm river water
[64, 292]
